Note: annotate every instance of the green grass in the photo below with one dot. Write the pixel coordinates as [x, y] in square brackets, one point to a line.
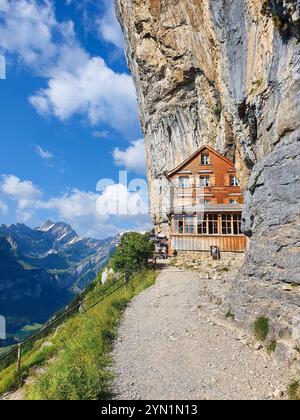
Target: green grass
[218, 110]
[271, 346]
[261, 328]
[4, 349]
[76, 365]
[294, 391]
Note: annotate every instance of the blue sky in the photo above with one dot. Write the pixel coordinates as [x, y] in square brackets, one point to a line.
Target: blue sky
[68, 115]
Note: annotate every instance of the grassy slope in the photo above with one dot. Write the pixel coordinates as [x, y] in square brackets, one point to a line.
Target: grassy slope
[78, 360]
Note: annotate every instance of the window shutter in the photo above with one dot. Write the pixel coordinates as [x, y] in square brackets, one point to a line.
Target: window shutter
[227, 180]
[212, 180]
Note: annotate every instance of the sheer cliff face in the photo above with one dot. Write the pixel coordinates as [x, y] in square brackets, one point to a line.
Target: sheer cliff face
[224, 73]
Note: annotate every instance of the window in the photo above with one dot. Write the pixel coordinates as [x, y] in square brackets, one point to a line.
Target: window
[207, 201]
[205, 181]
[205, 159]
[231, 224]
[237, 224]
[189, 225]
[184, 182]
[178, 221]
[233, 201]
[207, 225]
[202, 225]
[234, 181]
[212, 224]
[226, 224]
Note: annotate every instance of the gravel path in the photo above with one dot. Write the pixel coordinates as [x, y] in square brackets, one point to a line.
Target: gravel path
[167, 350]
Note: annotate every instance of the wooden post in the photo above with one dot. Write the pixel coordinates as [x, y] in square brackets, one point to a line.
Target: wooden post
[82, 308]
[126, 278]
[19, 360]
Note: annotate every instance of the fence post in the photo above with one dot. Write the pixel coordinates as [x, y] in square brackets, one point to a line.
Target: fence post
[82, 308]
[19, 360]
[126, 278]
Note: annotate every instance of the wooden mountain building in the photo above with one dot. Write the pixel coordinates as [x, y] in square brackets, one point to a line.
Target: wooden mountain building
[206, 204]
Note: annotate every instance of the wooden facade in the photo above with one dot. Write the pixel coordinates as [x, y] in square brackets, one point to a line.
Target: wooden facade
[206, 204]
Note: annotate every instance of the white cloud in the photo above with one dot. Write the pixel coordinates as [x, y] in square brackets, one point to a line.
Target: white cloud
[82, 210]
[133, 158]
[44, 154]
[102, 134]
[3, 208]
[26, 29]
[92, 89]
[77, 84]
[74, 204]
[25, 192]
[118, 200]
[109, 28]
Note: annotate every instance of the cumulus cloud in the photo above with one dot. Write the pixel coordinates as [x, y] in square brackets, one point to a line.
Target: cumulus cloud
[77, 83]
[118, 200]
[74, 204]
[43, 154]
[99, 214]
[25, 192]
[29, 29]
[108, 26]
[92, 89]
[18, 19]
[133, 158]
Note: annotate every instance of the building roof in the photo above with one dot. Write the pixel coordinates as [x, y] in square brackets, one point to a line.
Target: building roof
[197, 152]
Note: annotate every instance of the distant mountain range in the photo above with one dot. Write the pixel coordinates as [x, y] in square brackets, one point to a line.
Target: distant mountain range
[41, 269]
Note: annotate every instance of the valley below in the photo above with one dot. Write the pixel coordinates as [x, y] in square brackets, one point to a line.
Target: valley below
[42, 270]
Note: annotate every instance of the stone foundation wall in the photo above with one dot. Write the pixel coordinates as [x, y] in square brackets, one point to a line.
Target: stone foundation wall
[192, 256]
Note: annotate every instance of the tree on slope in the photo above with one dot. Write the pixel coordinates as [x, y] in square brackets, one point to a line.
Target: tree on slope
[133, 252]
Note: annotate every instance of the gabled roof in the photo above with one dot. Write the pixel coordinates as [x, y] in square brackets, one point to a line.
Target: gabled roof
[197, 152]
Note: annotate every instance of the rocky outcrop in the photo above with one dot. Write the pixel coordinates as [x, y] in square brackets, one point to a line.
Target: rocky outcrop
[225, 73]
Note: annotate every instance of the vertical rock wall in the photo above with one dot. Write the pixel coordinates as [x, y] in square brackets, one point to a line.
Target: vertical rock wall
[225, 73]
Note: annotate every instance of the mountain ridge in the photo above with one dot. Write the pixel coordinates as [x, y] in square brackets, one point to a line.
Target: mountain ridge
[42, 268]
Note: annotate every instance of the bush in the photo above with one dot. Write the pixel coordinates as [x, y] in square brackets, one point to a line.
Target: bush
[294, 391]
[218, 110]
[133, 252]
[261, 328]
[229, 315]
[271, 346]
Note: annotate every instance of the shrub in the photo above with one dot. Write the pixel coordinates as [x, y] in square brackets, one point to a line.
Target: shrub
[271, 346]
[229, 315]
[261, 328]
[218, 110]
[133, 252]
[294, 391]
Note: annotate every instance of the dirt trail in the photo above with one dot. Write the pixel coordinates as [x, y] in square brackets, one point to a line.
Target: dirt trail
[167, 350]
